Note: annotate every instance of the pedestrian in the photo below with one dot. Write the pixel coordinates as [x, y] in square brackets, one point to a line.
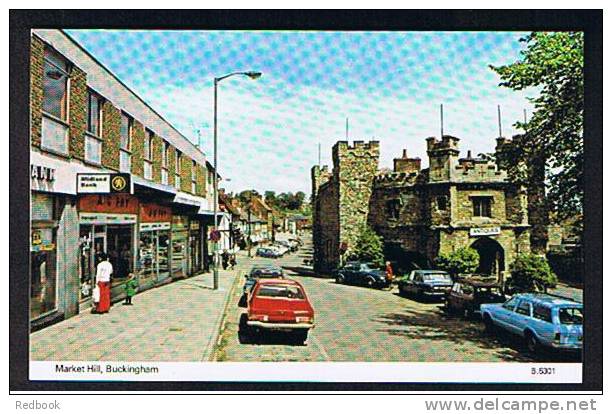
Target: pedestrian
[130, 289]
[104, 270]
[233, 261]
[388, 272]
[225, 259]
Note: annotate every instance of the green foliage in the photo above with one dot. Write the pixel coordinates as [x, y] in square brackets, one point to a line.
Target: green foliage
[530, 273]
[464, 260]
[552, 64]
[368, 247]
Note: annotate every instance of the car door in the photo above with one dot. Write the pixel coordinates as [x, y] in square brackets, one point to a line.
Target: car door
[521, 317]
[504, 313]
[542, 323]
[453, 296]
[349, 273]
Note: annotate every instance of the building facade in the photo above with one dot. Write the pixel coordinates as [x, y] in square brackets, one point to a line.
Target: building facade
[108, 175]
[420, 213]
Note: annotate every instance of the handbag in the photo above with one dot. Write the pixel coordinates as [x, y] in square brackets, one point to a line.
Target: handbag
[96, 294]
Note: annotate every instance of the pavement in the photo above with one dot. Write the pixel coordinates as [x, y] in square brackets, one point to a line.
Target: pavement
[360, 324]
[176, 322]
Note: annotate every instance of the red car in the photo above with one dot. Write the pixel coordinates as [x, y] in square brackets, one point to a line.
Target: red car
[277, 305]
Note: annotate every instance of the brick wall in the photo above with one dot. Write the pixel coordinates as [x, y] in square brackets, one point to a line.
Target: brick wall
[78, 112]
[111, 127]
[37, 55]
[186, 164]
[158, 148]
[138, 137]
[201, 180]
[171, 167]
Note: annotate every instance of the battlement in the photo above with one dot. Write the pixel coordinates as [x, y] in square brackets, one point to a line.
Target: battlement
[392, 179]
[448, 142]
[342, 146]
[478, 170]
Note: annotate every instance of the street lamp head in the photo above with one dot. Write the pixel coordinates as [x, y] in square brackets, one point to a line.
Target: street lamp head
[253, 75]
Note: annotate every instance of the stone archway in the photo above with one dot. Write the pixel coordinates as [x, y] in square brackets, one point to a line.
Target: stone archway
[492, 257]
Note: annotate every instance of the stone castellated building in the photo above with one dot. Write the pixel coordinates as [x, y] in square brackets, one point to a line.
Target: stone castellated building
[421, 213]
[340, 200]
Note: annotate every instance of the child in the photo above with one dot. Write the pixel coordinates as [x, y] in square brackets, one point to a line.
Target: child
[130, 289]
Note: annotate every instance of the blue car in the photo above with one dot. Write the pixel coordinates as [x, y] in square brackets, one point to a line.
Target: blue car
[268, 252]
[426, 283]
[542, 320]
[361, 273]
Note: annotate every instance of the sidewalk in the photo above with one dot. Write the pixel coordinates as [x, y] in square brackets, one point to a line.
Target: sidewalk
[174, 322]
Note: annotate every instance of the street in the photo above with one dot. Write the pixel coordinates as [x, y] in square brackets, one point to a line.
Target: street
[359, 324]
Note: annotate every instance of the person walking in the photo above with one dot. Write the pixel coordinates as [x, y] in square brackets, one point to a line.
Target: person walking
[104, 270]
[130, 289]
[389, 272]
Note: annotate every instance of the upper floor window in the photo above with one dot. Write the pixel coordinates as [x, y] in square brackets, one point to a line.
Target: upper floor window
[194, 167]
[165, 155]
[148, 146]
[126, 131]
[177, 164]
[482, 206]
[442, 203]
[55, 84]
[393, 209]
[94, 114]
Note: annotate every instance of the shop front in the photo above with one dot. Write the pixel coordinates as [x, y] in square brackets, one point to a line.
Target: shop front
[43, 257]
[179, 243]
[107, 224]
[154, 244]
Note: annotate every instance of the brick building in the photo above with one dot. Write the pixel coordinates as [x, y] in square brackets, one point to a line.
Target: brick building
[420, 213]
[86, 125]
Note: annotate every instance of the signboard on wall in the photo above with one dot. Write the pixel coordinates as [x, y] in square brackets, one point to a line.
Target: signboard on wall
[152, 213]
[108, 203]
[103, 183]
[484, 231]
[106, 218]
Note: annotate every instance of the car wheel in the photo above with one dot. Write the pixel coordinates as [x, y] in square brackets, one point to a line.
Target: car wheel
[244, 331]
[532, 342]
[488, 323]
[340, 279]
[300, 336]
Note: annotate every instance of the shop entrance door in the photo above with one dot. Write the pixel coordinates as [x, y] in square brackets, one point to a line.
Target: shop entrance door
[119, 248]
[92, 242]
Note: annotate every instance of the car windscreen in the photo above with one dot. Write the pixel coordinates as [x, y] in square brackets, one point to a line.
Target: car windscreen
[438, 277]
[570, 316]
[282, 292]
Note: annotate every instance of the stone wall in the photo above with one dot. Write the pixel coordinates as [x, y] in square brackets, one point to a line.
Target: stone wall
[463, 208]
[326, 228]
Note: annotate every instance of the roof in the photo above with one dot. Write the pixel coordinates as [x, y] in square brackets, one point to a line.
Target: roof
[289, 282]
[548, 299]
[267, 267]
[480, 282]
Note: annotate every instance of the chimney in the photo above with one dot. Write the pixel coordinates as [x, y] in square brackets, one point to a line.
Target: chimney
[405, 164]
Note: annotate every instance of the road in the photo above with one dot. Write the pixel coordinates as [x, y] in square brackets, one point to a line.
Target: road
[360, 324]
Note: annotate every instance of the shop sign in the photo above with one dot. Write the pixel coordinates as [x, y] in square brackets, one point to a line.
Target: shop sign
[109, 203]
[154, 213]
[194, 225]
[154, 226]
[103, 183]
[484, 231]
[106, 218]
[42, 240]
[38, 172]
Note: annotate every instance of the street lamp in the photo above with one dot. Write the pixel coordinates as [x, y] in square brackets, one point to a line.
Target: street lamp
[252, 75]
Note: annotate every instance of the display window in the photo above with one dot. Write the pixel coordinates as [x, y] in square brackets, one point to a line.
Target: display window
[43, 274]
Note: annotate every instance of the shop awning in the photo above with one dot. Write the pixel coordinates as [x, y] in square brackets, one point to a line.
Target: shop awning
[141, 182]
[188, 199]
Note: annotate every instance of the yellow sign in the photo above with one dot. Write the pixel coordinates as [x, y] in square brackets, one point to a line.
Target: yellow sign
[118, 183]
[36, 237]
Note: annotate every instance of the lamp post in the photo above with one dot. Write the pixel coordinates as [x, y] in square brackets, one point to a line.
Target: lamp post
[252, 75]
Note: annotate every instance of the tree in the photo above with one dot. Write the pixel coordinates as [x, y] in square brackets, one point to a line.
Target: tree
[368, 247]
[464, 260]
[553, 63]
[529, 273]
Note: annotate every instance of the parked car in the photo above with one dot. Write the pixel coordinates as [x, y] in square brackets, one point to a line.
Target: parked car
[542, 320]
[426, 283]
[360, 273]
[268, 252]
[268, 271]
[466, 295]
[277, 305]
[281, 247]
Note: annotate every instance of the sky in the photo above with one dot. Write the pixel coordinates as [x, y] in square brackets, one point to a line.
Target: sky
[388, 84]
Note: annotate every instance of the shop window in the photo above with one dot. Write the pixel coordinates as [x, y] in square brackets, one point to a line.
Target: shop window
[393, 209]
[43, 277]
[125, 159]
[482, 206]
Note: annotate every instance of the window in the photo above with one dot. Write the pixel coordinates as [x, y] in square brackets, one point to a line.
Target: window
[148, 155]
[393, 209]
[542, 312]
[125, 160]
[94, 114]
[55, 84]
[482, 206]
[177, 170]
[570, 316]
[55, 105]
[277, 291]
[164, 169]
[194, 167]
[524, 308]
[510, 304]
[442, 203]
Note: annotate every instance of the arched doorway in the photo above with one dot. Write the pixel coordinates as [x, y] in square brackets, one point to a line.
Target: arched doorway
[491, 256]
